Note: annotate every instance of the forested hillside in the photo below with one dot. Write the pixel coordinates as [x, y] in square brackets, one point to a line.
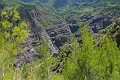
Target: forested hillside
[59, 40]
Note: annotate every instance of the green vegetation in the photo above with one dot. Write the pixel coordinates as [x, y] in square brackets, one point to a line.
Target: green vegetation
[49, 21]
[89, 62]
[85, 61]
[13, 31]
[92, 59]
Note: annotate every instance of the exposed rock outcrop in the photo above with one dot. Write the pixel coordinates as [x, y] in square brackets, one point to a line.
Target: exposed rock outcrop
[59, 33]
[32, 16]
[99, 23]
[27, 55]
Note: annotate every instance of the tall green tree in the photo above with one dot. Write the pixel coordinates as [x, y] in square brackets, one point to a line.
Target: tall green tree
[89, 62]
[13, 31]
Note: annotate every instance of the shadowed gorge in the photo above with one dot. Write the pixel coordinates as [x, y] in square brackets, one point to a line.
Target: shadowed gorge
[59, 39]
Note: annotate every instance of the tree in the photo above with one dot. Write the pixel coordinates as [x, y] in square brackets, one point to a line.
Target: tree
[13, 31]
[89, 62]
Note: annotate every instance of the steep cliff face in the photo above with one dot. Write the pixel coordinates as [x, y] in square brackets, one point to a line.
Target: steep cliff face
[100, 22]
[50, 34]
[59, 33]
[33, 17]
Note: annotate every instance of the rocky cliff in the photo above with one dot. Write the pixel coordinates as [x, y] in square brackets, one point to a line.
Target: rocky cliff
[52, 34]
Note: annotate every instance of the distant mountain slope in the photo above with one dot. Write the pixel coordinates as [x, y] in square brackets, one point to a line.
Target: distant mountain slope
[62, 6]
[61, 3]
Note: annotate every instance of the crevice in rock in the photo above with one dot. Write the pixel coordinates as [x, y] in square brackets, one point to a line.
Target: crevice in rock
[74, 29]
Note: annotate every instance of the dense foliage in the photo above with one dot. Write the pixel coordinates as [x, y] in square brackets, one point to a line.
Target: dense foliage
[90, 62]
[92, 59]
[13, 31]
[85, 61]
